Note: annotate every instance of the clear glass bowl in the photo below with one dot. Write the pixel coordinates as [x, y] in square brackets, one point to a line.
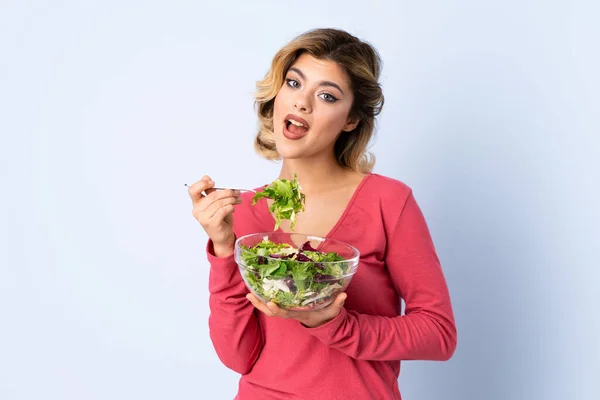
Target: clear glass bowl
[305, 281]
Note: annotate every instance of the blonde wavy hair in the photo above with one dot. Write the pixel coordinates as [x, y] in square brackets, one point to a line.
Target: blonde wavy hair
[362, 64]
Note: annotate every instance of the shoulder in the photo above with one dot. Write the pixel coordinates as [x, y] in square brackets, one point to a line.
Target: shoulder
[387, 198]
[388, 191]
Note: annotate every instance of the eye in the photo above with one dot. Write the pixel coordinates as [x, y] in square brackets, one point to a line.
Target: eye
[292, 83]
[328, 97]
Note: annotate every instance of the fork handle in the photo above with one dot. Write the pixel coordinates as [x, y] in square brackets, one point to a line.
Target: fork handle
[220, 188]
[241, 190]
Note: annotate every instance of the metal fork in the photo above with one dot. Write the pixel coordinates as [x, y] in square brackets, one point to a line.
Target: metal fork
[221, 188]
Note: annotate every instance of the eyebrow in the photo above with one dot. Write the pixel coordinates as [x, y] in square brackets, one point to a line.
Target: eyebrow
[322, 83]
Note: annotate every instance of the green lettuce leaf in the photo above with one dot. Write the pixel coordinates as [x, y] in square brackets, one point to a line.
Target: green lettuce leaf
[288, 201]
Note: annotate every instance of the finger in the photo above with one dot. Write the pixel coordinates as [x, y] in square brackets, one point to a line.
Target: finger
[337, 305]
[221, 214]
[339, 301]
[216, 200]
[259, 305]
[210, 189]
[221, 209]
[196, 189]
[222, 193]
[278, 312]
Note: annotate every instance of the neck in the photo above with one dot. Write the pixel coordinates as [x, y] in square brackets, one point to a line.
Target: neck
[314, 174]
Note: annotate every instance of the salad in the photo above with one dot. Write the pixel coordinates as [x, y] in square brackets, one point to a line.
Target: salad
[288, 200]
[293, 277]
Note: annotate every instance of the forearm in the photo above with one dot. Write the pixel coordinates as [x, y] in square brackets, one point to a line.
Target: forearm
[234, 327]
[419, 336]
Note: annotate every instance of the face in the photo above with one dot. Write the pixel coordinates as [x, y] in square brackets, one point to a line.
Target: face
[312, 108]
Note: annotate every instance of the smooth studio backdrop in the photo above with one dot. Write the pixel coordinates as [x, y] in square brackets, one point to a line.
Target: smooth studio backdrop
[108, 108]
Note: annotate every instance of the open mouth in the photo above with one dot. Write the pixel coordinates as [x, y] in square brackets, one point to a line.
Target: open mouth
[296, 126]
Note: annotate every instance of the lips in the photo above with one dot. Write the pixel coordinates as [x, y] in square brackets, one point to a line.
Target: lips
[294, 127]
[291, 118]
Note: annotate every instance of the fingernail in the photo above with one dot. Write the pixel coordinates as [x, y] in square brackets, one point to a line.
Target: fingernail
[236, 192]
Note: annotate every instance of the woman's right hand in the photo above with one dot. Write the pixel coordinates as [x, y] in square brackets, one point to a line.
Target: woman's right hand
[214, 211]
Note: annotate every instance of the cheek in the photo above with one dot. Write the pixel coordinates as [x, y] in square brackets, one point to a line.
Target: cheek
[280, 102]
[276, 106]
[333, 120]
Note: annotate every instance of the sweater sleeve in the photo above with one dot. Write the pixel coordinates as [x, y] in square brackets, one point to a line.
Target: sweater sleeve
[427, 331]
[233, 324]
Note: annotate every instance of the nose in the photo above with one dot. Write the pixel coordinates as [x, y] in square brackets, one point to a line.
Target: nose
[302, 103]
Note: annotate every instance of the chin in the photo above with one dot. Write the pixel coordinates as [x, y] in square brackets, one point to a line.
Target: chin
[289, 150]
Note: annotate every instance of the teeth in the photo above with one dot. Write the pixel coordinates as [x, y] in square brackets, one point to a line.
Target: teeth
[296, 123]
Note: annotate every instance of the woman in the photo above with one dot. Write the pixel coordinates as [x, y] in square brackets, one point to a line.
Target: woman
[317, 107]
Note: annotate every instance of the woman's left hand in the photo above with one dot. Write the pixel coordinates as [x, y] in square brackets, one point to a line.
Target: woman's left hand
[311, 319]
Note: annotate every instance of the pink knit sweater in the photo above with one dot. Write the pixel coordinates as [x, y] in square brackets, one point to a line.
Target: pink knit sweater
[356, 355]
